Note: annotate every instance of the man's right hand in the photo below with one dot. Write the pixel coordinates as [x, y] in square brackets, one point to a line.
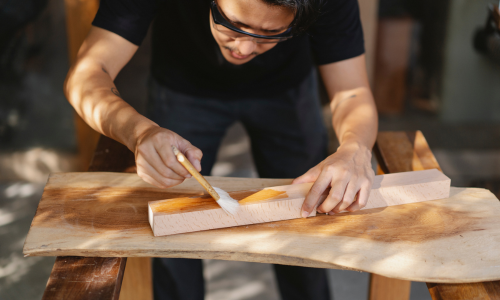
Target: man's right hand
[155, 160]
[90, 89]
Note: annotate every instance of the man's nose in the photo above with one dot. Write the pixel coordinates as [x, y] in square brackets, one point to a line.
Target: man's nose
[245, 47]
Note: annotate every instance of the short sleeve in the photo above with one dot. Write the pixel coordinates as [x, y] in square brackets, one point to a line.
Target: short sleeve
[337, 34]
[129, 19]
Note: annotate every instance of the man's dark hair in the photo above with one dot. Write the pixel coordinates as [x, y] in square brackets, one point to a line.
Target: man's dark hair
[306, 12]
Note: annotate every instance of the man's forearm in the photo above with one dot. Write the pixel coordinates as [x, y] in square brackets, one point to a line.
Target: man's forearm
[91, 91]
[354, 117]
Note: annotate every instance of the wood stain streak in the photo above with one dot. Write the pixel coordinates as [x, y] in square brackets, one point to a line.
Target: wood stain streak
[126, 208]
[99, 209]
[206, 202]
[264, 195]
[424, 222]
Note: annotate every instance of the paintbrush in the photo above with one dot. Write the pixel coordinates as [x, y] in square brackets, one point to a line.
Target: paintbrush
[228, 204]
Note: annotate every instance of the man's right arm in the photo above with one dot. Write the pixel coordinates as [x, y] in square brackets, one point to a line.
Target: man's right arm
[90, 89]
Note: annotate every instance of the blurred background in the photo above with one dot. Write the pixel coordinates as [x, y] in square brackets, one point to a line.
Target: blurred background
[434, 66]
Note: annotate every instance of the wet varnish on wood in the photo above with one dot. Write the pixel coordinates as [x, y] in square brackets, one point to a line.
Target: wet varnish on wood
[189, 214]
[105, 214]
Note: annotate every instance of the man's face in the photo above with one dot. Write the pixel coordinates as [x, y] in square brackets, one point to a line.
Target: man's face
[253, 16]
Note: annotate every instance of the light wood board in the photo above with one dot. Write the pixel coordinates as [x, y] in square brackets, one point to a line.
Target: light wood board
[190, 214]
[105, 214]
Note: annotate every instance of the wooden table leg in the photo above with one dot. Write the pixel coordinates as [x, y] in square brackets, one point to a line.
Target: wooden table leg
[138, 279]
[465, 291]
[408, 151]
[385, 288]
[399, 152]
[91, 278]
[85, 278]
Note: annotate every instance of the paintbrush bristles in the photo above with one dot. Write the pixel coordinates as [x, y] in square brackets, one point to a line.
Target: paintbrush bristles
[228, 204]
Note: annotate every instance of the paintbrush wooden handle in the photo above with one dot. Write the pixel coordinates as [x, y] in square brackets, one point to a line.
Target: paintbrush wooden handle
[187, 164]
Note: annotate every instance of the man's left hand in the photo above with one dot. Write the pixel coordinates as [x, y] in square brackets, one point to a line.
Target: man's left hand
[347, 173]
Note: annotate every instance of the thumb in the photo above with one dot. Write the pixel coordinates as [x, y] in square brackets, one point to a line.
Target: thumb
[309, 176]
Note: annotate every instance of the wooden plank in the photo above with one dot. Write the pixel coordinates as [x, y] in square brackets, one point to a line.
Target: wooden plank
[70, 278]
[392, 241]
[190, 214]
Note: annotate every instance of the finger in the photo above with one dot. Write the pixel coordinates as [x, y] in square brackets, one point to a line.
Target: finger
[150, 180]
[146, 171]
[349, 196]
[152, 158]
[141, 171]
[309, 176]
[319, 186]
[336, 194]
[159, 165]
[170, 160]
[362, 200]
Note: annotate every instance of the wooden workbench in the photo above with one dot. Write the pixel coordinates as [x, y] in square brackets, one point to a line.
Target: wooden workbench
[100, 278]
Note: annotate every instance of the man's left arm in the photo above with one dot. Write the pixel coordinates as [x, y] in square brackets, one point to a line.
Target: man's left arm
[354, 117]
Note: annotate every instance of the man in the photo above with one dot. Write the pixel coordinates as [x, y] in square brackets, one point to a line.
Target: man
[217, 62]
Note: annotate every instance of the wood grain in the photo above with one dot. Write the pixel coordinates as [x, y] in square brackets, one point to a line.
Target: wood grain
[85, 278]
[190, 214]
[481, 290]
[415, 242]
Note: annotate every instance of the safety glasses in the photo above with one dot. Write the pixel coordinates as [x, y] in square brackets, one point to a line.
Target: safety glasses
[221, 24]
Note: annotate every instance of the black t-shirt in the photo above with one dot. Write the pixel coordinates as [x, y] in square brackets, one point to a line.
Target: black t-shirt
[186, 57]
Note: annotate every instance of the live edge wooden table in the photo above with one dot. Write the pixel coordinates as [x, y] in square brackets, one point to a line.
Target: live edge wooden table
[76, 277]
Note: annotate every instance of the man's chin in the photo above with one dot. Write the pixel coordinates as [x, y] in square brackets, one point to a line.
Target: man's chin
[236, 59]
